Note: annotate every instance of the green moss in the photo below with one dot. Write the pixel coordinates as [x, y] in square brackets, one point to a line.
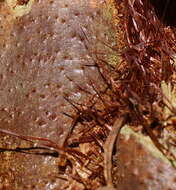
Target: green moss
[113, 59]
[109, 10]
[109, 13]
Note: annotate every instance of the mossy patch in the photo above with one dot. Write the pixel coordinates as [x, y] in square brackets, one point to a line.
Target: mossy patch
[110, 14]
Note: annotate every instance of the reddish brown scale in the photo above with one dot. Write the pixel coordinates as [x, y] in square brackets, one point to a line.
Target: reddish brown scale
[148, 61]
[22, 2]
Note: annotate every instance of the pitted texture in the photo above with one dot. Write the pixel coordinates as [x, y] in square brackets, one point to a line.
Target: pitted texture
[44, 52]
[138, 168]
[42, 58]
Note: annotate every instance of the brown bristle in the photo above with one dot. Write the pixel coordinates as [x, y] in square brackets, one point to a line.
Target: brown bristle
[127, 91]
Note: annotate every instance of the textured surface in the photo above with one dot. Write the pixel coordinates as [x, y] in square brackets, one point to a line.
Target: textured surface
[140, 165]
[38, 52]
